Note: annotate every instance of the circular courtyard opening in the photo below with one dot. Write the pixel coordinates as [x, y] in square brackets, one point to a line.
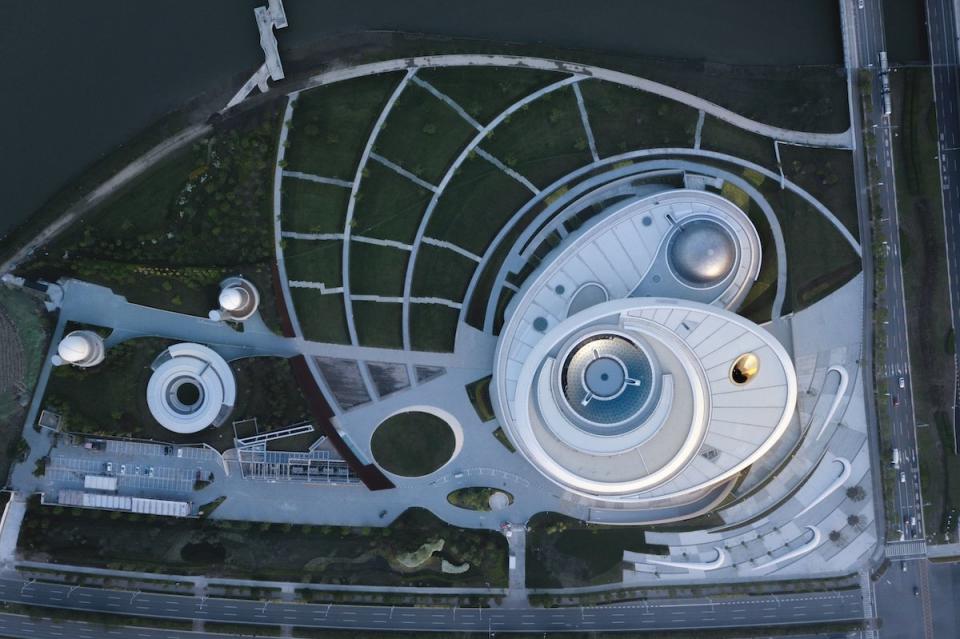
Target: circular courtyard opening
[413, 444]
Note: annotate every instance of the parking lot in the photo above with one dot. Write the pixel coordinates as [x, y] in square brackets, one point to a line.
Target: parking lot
[132, 478]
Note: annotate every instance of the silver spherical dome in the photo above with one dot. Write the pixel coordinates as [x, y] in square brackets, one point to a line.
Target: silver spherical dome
[702, 252]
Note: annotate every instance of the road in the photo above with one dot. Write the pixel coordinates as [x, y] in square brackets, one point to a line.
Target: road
[893, 369]
[942, 37]
[666, 614]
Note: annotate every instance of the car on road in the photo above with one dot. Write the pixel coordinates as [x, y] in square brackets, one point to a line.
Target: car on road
[123, 469]
[136, 470]
[902, 382]
[903, 477]
[109, 467]
[903, 566]
[148, 471]
[859, 4]
[896, 400]
[916, 591]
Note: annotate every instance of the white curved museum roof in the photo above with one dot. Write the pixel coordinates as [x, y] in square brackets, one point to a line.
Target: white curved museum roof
[705, 429]
[211, 385]
[671, 263]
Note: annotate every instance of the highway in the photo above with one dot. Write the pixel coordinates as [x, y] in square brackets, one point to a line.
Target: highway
[893, 370]
[942, 38]
[661, 614]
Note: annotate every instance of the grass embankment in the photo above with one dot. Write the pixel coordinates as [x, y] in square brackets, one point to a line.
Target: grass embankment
[309, 554]
[170, 237]
[544, 140]
[24, 338]
[110, 399]
[624, 119]
[564, 552]
[412, 444]
[423, 134]
[925, 281]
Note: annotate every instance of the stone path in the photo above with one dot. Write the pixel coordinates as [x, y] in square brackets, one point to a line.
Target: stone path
[586, 122]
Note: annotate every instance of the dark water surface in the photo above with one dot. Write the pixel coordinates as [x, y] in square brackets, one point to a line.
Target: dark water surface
[83, 77]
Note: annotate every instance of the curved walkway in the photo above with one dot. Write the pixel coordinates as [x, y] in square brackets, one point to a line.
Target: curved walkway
[842, 140]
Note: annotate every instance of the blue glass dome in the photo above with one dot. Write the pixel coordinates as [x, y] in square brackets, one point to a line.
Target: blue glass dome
[606, 380]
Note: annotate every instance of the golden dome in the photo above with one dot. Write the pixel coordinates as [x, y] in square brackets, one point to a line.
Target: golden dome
[744, 368]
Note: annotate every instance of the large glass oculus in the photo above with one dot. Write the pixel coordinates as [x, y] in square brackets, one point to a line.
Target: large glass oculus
[606, 379]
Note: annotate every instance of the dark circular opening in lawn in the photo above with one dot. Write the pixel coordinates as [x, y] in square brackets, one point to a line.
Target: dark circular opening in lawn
[413, 444]
[188, 393]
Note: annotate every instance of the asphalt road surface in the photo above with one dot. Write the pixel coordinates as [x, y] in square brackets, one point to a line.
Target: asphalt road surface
[771, 610]
[894, 368]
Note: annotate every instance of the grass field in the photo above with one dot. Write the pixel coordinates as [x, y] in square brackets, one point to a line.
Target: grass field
[479, 394]
[310, 207]
[475, 497]
[484, 92]
[544, 140]
[314, 261]
[379, 324]
[331, 125]
[624, 119]
[719, 136]
[321, 317]
[827, 174]
[477, 202]
[564, 552]
[412, 444]
[318, 554]
[925, 282]
[441, 273]
[423, 134]
[388, 206]
[433, 327]
[377, 270]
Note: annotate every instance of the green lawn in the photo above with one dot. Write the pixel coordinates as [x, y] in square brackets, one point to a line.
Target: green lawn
[331, 125]
[311, 207]
[758, 303]
[476, 204]
[719, 136]
[440, 272]
[828, 175]
[388, 206]
[253, 550]
[565, 552]
[433, 327]
[624, 119]
[423, 134]
[811, 274]
[321, 317]
[377, 270]
[544, 140]
[412, 444]
[379, 324]
[484, 92]
[925, 282]
[314, 261]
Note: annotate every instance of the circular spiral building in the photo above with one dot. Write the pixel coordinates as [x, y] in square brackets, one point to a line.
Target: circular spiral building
[638, 401]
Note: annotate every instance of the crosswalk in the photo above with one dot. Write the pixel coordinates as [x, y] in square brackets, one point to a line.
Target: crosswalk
[915, 548]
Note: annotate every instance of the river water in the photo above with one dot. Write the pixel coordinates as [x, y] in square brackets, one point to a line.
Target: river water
[82, 77]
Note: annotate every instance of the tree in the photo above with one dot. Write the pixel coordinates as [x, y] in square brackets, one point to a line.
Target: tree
[835, 536]
[853, 520]
[856, 493]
